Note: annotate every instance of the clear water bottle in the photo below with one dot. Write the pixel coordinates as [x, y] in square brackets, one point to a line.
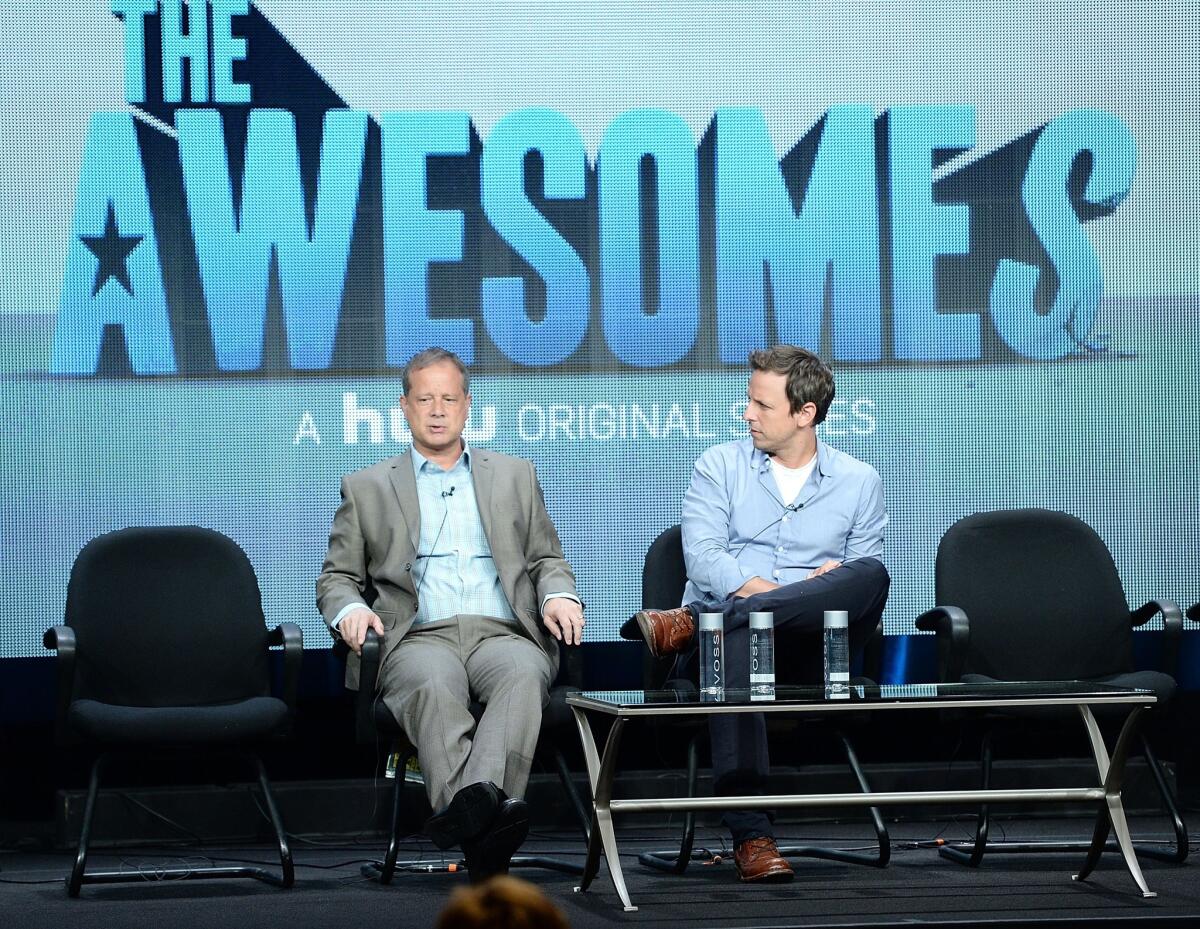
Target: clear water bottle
[837, 655]
[712, 659]
[762, 656]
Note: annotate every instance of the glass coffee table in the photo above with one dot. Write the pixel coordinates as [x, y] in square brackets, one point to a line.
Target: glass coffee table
[626, 705]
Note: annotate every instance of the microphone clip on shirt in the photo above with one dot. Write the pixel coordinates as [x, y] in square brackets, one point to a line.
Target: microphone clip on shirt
[432, 548]
[792, 507]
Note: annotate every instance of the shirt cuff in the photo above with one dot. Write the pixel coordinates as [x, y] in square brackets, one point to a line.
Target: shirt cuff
[341, 614]
[735, 579]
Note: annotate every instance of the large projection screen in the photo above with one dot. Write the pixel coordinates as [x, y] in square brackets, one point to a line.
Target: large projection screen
[227, 226]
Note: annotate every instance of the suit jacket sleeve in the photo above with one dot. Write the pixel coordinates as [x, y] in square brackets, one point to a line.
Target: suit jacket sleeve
[343, 578]
[547, 567]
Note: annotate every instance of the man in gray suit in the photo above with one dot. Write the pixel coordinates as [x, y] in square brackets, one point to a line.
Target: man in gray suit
[448, 553]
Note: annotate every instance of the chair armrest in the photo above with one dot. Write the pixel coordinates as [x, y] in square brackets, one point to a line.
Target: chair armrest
[953, 631]
[368, 683]
[62, 640]
[1172, 629]
[292, 639]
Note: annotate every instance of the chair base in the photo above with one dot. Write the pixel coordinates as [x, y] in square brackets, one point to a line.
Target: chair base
[80, 875]
[377, 870]
[970, 854]
[967, 853]
[550, 864]
[676, 861]
[669, 859]
[178, 874]
[384, 870]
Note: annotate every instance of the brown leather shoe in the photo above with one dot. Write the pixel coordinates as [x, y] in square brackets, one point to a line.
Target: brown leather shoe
[666, 631]
[759, 860]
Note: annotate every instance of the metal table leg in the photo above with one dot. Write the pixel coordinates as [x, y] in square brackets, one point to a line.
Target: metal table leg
[601, 772]
[591, 758]
[1112, 774]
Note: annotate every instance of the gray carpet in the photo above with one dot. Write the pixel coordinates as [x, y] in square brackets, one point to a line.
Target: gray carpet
[918, 888]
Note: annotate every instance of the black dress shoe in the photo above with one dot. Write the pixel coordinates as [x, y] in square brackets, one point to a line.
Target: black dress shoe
[491, 853]
[470, 813]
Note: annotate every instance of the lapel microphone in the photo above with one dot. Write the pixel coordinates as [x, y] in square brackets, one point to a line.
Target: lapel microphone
[433, 548]
[792, 507]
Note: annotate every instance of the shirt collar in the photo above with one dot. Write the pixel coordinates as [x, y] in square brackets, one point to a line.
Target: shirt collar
[420, 461]
[759, 460]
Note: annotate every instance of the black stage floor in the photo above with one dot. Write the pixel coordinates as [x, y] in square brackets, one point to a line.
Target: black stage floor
[917, 888]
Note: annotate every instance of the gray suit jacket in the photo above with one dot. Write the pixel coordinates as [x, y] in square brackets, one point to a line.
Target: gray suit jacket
[373, 544]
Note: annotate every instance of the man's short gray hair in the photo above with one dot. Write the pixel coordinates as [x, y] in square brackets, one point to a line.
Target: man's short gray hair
[432, 356]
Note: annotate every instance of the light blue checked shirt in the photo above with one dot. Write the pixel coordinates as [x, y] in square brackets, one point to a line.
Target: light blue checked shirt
[454, 571]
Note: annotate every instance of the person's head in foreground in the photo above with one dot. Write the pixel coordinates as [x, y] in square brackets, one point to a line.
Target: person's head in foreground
[501, 902]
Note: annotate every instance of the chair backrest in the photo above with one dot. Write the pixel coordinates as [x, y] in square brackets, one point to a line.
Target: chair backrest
[1041, 593]
[664, 574]
[167, 616]
[664, 577]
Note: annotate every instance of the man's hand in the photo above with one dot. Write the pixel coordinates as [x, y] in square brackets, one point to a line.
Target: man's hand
[756, 585]
[825, 568]
[354, 625]
[564, 618]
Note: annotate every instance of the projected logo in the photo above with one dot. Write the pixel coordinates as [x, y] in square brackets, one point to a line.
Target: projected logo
[249, 221]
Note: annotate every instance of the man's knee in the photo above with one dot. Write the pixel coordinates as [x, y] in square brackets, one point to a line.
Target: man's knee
[871, 571]
[527, 684]
[429, 693]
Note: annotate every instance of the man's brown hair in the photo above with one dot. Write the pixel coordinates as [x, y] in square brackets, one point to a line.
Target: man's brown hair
[809, 379]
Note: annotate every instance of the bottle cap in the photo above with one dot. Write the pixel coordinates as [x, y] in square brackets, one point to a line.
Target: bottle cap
[762, 620]
[836, 619]
[712, 621]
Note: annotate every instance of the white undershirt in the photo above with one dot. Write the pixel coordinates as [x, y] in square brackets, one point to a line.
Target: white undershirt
[791, 480]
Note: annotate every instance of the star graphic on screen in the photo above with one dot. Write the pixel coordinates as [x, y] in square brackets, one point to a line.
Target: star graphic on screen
[111, 250]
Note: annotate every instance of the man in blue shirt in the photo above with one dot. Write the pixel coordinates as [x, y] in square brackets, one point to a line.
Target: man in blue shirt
[447, 553]
[782, 523]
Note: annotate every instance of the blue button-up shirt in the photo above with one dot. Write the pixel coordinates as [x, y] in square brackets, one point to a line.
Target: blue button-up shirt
[735, 526]
[454, 571]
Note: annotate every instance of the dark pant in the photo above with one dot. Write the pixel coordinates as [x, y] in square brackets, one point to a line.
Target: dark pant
[739, 740]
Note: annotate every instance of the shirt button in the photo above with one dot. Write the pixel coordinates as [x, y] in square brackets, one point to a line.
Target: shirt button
[786, 518]
[776, 573]
[780, 549]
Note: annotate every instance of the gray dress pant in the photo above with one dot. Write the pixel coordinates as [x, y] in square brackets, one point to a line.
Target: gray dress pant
[429, 681]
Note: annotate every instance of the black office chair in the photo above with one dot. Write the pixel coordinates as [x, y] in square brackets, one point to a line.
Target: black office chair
[1033, 595]
[165, 647]
[374, 722]
[664, 577]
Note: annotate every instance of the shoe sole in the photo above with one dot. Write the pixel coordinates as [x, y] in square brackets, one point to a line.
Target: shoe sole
[647, 629]
[771, 877]
[495, 856]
